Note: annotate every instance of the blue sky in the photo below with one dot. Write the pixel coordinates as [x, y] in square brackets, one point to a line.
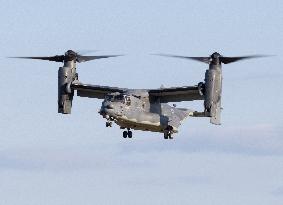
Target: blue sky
[47, 158]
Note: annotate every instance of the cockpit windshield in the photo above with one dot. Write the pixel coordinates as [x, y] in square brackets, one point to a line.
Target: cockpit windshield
[115, 98]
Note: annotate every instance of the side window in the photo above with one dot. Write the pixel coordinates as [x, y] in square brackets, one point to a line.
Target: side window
[128, 100]
[109, 97]
[119, 98]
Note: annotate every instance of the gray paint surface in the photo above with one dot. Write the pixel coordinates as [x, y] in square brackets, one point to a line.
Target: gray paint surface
[144, 109]
[56, 159]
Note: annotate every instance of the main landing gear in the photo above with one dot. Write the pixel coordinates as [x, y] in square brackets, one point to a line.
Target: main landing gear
[168, 135]
[168, 132]
[128, 134]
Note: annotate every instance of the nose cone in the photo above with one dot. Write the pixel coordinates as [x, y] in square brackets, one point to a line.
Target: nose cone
[106, 108]
[109, 106]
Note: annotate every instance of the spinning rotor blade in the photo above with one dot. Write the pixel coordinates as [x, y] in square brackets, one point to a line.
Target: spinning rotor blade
[227, 60]
[201, 59]
[51, 58]
[214, 56]
[81, 59]
[69, 56]
[85, 51]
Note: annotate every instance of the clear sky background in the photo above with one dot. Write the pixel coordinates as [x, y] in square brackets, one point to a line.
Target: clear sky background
[48, 158]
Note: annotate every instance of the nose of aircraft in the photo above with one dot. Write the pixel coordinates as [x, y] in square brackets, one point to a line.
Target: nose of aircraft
[109, 106]
[105, 108]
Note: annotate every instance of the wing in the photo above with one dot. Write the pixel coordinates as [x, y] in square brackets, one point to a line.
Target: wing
[94, 91]
[177, 94]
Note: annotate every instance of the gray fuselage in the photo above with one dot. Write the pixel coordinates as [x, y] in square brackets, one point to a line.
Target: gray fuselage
[135, 110]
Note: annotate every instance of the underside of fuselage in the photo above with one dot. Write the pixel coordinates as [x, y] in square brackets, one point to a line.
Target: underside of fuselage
[137, 112]
[124, 122]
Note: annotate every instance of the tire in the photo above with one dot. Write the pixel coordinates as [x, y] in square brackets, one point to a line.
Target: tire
[165, 135]
[125, 134]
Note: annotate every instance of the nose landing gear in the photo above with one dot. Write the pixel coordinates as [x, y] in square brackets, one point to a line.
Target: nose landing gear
[109, 121]
[108, 124]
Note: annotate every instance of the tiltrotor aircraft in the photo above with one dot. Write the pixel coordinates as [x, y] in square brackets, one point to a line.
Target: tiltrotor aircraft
[143, 109]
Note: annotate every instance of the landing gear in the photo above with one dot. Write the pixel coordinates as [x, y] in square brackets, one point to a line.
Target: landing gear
[125, 134]
[108, 124]
[128, 134]
[168, 135]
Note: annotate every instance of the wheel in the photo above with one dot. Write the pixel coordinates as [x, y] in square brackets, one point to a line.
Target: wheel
[125, 134]
[130, 134]
[108, 124]
[168, 135]
[165, 135]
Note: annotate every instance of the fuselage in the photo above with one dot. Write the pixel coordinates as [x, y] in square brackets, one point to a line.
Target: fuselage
[135, 110]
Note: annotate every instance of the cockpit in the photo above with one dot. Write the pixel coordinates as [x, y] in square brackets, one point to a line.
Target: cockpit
[115, 98]
[118, 98]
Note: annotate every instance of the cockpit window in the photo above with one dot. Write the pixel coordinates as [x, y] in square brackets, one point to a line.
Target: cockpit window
[119, 98]
[115, 98]
[109, 97]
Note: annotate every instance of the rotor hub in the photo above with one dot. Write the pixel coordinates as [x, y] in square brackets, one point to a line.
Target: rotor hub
[215, 58]
[70, 56]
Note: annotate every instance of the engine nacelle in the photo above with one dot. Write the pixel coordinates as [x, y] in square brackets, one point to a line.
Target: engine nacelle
[65, 94]
[213, 90]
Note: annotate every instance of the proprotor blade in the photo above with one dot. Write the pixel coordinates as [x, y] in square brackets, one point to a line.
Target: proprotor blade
[57, 58]
[69, 56]
[200, 59]
[85, 51]
[215, 58]
[227, 60]
[81, 59]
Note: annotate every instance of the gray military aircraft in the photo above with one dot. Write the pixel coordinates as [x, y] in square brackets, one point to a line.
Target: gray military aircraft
[143, 109]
